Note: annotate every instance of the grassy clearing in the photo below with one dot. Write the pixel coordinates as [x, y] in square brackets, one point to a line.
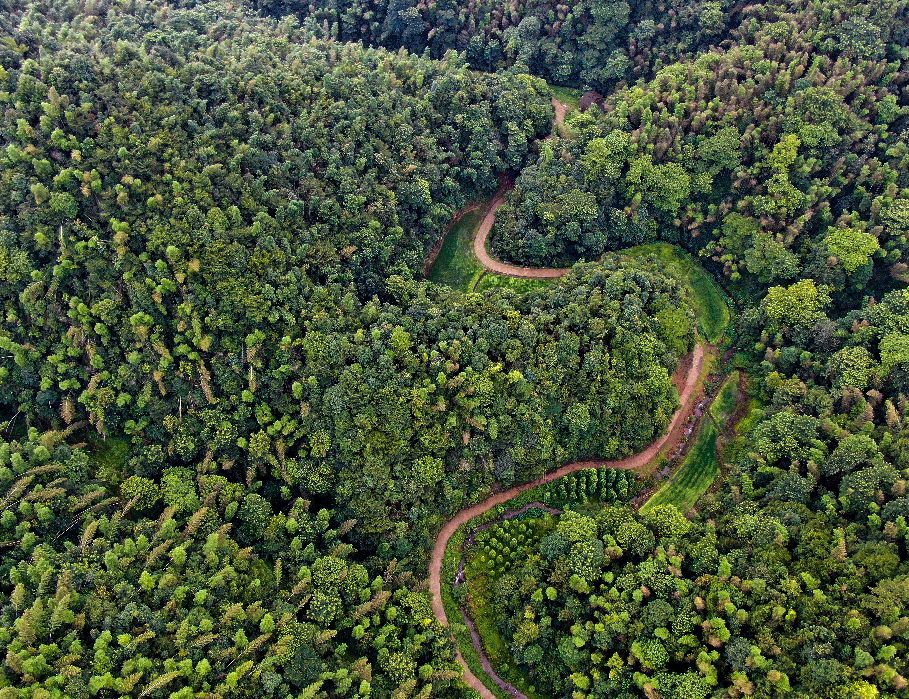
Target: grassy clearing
[724, 405]
[708, 299]
[497, 281]
[694, 477]
[456, 266]
[569, 96]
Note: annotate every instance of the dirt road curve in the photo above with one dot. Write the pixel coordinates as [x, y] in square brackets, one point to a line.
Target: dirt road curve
[482, 234]
[497, 266]
[688, 384]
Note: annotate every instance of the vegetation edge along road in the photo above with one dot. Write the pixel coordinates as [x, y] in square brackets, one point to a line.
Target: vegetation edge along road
[688, 397]
[498, 266]
[482, 234]
[688, 400]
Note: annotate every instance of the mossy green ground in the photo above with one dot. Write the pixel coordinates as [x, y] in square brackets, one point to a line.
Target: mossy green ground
[457, 266]
[569, 96]
[726, 401]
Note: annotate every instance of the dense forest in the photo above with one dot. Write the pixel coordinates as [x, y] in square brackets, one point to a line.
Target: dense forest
[234, 415]
[782, 160]
[773, 157]
[240, 413]
[594, 43]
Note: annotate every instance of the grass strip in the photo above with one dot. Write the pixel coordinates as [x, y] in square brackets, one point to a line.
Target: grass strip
[695, 475]
[709, 301]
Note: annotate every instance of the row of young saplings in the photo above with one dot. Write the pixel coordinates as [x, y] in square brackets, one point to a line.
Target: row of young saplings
[499, 547]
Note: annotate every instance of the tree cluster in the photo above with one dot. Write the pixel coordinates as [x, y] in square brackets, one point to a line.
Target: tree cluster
[232, 416]
[783, 156]
[194, 587]
[212, 228]
[594, 44]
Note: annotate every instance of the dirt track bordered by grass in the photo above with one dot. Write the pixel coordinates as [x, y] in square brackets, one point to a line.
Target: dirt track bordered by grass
[701, 466]
[456, 265]
[690, 386]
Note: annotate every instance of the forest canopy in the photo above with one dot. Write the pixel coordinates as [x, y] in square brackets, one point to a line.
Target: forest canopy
[234, 415]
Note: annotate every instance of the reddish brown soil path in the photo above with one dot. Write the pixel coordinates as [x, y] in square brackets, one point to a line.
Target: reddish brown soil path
[560, 111]
[506, 687]
[497, 266]
[688, 383]
[483, 230]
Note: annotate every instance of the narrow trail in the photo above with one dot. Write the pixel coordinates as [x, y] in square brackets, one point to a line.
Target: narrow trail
[560, 111]
[687, 381]
[483, 230]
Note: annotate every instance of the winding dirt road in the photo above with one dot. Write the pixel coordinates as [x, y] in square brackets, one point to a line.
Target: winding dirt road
[506, 268]
[688, 382]
[483, 230]
[686, 379]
